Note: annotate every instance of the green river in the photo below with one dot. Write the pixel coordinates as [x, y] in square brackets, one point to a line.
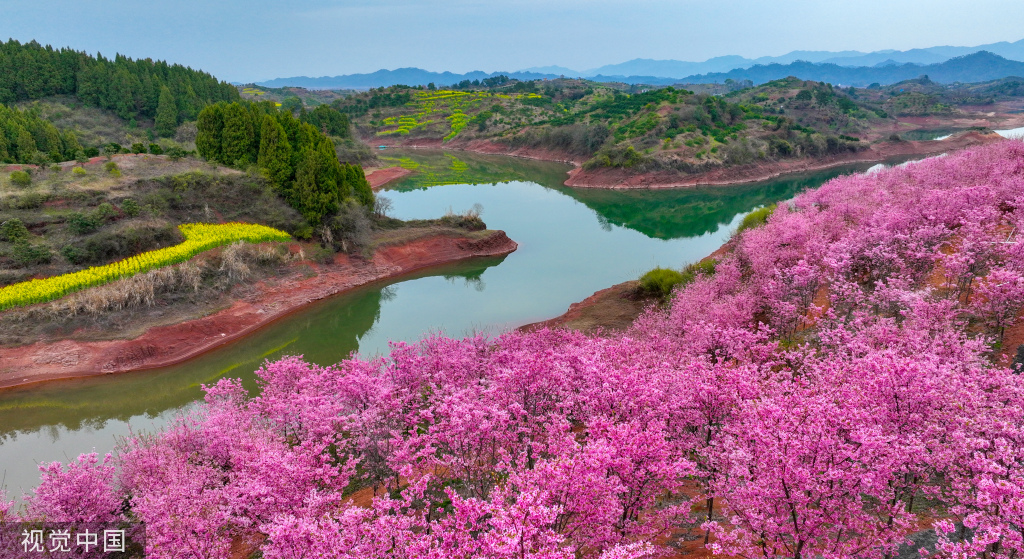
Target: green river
[572, 242]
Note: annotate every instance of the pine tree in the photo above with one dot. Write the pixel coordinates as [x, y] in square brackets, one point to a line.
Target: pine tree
[166, 113]
[275, 158]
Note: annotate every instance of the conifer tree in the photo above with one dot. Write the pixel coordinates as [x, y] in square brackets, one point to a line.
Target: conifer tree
[26, 146]
[237, 147]
[166, 113]
[275, 157]
[209, 132]
[71, 145]
[315, 193]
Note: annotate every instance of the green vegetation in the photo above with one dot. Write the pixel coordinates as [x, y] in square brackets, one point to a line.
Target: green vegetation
[26, 137]
[199, 237]
[94, 219]
[297, 157]
[21, 179]
[643, 129]
[131, 88]
[660, 282]
[756, 218]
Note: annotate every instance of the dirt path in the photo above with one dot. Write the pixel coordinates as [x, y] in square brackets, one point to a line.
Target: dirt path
[168, 345]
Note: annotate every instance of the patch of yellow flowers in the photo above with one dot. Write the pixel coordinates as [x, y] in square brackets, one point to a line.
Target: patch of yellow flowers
[199, 237]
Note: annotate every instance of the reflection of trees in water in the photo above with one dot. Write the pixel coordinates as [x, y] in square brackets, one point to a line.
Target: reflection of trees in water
[659, 214]
[437, 168]
[471, 278]
[689, 212]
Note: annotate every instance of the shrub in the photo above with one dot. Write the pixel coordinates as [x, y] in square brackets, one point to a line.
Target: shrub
[73, 254]
[78, 171]
[175, 153]
[350, 229]
[468, 220]
[21, 179]
[702, 268]
[155, 149]
[30, 201]
[106, 246]
[756, 218]
[81, 224]
[138, 148]
[13, 230]
[112, 169]
[104, 211]
[130, 207]
[659, 282]
[27, 254]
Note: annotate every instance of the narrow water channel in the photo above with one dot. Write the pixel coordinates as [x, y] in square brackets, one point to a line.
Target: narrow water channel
[572, 242]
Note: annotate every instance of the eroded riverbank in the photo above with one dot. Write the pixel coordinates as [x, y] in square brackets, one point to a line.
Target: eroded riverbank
[167, 345]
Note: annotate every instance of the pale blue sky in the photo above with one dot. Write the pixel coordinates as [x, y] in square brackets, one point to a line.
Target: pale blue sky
[246, 40]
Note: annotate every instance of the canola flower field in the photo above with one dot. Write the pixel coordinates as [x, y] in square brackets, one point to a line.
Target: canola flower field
[437, 106]
[199, 237]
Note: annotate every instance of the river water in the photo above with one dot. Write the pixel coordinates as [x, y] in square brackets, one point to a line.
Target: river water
[572, 242]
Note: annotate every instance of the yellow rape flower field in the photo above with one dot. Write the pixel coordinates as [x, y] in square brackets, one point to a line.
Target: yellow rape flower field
[199, 237]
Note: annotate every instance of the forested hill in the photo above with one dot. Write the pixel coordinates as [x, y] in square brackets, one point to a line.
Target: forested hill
[169, 93]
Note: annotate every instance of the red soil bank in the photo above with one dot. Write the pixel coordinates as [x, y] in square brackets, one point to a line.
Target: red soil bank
[379, 177]
[167, 345]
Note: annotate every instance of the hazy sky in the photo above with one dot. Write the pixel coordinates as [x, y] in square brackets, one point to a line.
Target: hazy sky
[248, 40]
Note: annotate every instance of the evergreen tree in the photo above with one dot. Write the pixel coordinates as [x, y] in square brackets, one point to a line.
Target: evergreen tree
[166, 113]
[275, 157]
[26, 146]
[5, 156]
[361, 189]
[71, 145]
[209, 132]
[315, 193]
[237, 141]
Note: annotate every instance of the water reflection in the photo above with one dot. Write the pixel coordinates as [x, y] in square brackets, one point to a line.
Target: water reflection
[324, 333]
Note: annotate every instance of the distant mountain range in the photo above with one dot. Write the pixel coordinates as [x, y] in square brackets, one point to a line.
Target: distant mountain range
[677, 69]
[978, 67]
[384, 78]
[846, 67]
